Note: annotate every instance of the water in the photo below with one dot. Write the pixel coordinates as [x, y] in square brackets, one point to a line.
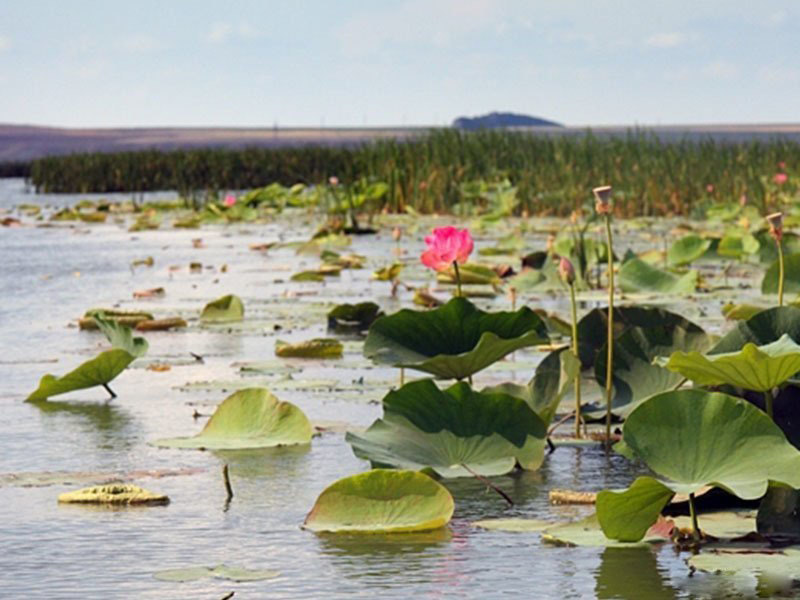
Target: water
[50, 276]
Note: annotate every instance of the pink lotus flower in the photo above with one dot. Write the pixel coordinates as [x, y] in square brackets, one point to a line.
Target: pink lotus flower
[333, 180]
[446, 246]
[566, 270]
[230, 200]
[780, 178]
[710, 188]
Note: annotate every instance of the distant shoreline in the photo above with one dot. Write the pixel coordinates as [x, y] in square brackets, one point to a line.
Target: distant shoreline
[27, 142]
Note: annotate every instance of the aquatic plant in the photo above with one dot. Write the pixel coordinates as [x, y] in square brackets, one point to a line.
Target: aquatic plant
[602, 196]
[567, 272]
[775, 221]
[447, 247]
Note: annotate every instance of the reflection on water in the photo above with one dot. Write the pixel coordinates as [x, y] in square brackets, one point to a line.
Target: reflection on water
[283, 461]
[107, 422]
[631, 573]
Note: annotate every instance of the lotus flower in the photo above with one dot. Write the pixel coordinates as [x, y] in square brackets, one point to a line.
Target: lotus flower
[566, 270]
[446, 246]
[710, 188]
[602, 197]
[230, 200]
[780, 178]
[782, 165]
[333, 180]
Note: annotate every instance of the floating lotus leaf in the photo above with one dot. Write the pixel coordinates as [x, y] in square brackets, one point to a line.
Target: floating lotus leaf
[740, 312]
[382, 501]
[455, 432]
[316, 348]
[470, 273]
[452, 341]
[756, 368]
[544, 279]
[687, 250]
[587, 532]
[249, 418]
[791, 281]
[635, 275]
[388, 273]
[354, 316]
[784, 562]
[218, 572]
[308, 276]
[223, 310]
[635, 377]
[692, 439]
[113, 493]
[515, 525]
[762, 328]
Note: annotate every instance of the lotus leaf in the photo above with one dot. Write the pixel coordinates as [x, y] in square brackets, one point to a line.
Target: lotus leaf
[382, 501]
[452, 341]
[354, 316]
[223, 310]
[249, 418]
[791, 282]
[470, 273]
[388, 273]
[784, 562]
[113, 493]
[456, 432]
[218, 572]
[687, 249]
[100, 370]
[587, 532]
[756, 368]
[120, 336]
[316, 348]
[762, 328]
[692, 439]
[740, 312]
[515, 525]
[635, 376]
[636, 275]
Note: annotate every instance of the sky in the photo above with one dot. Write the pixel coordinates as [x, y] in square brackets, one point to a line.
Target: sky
[103, 63]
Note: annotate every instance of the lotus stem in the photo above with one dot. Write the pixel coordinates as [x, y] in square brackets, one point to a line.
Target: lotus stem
[484, 480]
[693, 514]
[458, 278]
[402, 376]
[109, 390]
[610, 336]
[574, 304]
[780, 272]
[227, 480]
[768, 403]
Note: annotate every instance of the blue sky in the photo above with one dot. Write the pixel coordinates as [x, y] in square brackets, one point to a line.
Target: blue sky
[396, 62]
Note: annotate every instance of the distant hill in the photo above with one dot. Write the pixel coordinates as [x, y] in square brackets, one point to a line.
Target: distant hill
[502, 119]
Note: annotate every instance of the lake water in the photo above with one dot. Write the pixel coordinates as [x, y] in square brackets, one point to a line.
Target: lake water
[51, 275]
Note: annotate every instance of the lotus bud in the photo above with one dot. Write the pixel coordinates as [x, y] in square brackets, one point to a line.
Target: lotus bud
[333, 180]
[780, 178]
[710, 188]
[230, 200]
[566, 270]
[602, 199]
[775, 221]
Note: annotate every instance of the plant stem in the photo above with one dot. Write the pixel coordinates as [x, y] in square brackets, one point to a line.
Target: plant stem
[575, 352]
[109, 390]
[693, 514]
[458, 279]
[483, 479]
[768, 403]
[227, 480]
[610, 335]
[780, 273]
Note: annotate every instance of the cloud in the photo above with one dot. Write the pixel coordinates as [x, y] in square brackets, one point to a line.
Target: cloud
[720, 69]
[138, 44]
[667, 40]
[221, 32]
[5, 42]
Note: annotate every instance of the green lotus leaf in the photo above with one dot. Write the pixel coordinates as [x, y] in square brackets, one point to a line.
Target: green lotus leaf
[791, 282]
[687, 249]
[740, 312]
[768, 253]
[382, 501]
[455, 432]
[218, 572]
[784, 562]
[308, 276]
[756, 368]
[762, 328]
[515, 525]
[223, 310]
[470, 273]
[452, 341]
[587, 532]
[119, 335]
[635, 377]
[316, 348]
[100, 370]
[388, 273]
[693, 439]
[113, 493]
[738, 245]
[249, 418]
[626, 516]
[635, 275]
[353, 316]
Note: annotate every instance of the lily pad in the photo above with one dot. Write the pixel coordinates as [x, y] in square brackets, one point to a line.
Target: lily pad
[756, 368]
[692, 439]
[777, 562]
[587, 532]
[687, 249]
[452, 341]
[515, 525]
[316, 348]
[389, 272]
[791, 282]
[120, 336]
[635, 275]
[470, 273]
[762, 328]
[456, 432]
[382, 501]
[223, 310]
[218, 572]
[354, 316]
[113, 493]
[249, 418]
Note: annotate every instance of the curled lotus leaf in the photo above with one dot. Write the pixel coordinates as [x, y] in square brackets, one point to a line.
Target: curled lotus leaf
[316, 348]
[791, 282]
[452, 341]
[762, 328]
[456, 432]
[223, 310]
[636, 275]
[382, 501]
[687, 249]
[249, 418]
